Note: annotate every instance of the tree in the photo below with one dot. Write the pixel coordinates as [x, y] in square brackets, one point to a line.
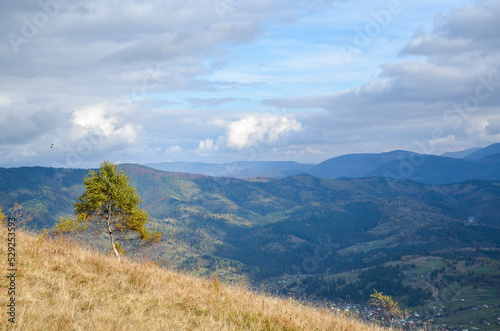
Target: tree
[389, 308]
[110, 205]
[22, 216]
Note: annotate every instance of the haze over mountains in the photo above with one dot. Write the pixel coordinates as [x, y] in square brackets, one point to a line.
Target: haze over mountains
[476, 163]
[241, 169]
[461, 154]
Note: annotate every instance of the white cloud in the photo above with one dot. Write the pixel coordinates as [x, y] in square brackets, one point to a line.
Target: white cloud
[110, 125]
[94, 118]
[256, 130]
[173, 150]
[127, 134]
[207, 145]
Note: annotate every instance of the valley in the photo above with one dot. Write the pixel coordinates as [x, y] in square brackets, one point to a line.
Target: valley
[313, 238]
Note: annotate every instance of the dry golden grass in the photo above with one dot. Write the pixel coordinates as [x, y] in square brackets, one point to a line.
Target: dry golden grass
[62, 286]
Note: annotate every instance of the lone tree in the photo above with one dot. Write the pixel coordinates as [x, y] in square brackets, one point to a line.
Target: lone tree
[110, 205]
[389, 309]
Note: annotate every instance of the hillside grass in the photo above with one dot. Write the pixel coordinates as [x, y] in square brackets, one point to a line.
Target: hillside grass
[62, 286]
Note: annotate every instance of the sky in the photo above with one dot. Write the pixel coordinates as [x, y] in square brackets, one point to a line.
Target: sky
[238, 80]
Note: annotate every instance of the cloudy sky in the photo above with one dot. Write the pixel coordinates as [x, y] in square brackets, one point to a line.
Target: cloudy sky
[223, 80]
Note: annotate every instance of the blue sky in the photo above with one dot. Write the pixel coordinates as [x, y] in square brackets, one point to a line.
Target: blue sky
[310, 55]
[224, 80]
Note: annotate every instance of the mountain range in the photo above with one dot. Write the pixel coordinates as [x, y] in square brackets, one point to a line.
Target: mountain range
[316, 237]
[476, 163]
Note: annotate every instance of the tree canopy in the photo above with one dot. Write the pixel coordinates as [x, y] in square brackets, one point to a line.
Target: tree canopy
[389, 308]
[110, 205]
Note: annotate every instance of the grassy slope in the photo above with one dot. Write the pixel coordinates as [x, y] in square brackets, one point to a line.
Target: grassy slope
[62, 286]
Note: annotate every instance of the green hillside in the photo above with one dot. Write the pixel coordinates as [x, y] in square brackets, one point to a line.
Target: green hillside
[430, 246]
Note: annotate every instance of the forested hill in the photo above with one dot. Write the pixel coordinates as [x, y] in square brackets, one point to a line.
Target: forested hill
[49, 192]
[362, 204]
[258, 230]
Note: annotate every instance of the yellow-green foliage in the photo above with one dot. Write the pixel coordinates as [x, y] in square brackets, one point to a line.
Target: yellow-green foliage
[388, 307]
[111, 205]
[61, 286]
[68, 225]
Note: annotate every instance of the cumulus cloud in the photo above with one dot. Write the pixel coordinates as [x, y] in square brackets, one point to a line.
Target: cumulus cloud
[207, 145]
[256, 130]
[95, 118]
[106, 121]
[173, 150]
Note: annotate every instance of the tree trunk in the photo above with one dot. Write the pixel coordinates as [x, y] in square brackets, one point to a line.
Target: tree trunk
[111, 237]
[114, 246]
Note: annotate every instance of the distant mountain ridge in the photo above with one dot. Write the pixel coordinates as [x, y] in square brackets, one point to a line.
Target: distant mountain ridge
[355, 165]
[484, 152]
[237, 169]
[475, 163]
[461, 154]
[440, 170]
